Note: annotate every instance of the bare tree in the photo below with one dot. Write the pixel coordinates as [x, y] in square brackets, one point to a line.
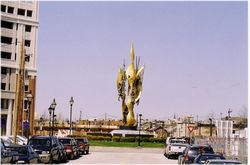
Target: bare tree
[243, 112]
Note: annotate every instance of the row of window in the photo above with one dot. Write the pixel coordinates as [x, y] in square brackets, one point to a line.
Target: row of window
[5, 104]
[8, 40]
[7, 56]
[9, 9]
[9, 25]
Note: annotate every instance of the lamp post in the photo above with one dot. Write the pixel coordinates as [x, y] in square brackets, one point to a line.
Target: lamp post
[41, 124]
[139, 140]
[211, 127]
[71, 101]
[29, 98]
[52, 110]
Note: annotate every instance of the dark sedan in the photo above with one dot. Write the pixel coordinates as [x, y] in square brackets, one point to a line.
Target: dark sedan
[203, 157]
[26, 154]
[194, 150]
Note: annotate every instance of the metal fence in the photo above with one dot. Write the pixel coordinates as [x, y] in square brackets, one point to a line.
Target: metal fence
[231, 148]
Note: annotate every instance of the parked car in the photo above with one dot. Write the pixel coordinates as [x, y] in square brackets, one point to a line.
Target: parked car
[180, 157]
[5, 157]
[25, 153]
[83, 144]
[6, 140]
[203, 157]
[194, 150]
[20, 139]
[214, 161]
[46, 147]
[70, 146]
[64, 157]
[175, 148]
[13, 154]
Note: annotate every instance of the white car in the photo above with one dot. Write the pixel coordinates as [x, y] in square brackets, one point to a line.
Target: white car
[175, 147]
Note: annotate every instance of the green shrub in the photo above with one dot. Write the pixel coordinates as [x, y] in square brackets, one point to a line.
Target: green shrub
[127, 139]
[116, 138]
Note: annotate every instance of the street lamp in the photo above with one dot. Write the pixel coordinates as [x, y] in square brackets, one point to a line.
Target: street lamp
[51, 109]
[71, 101]
[41, 124]
[139, 140]
[29, 98]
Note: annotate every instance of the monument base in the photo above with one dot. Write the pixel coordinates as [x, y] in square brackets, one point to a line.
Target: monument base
[125, 127]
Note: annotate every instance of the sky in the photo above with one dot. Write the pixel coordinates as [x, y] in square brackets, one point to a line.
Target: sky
[195, 57]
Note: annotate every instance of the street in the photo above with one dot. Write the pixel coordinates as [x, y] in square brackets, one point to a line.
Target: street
[115, 155]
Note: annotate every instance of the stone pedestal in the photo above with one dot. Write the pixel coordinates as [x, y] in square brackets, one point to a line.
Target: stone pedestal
[124, 127]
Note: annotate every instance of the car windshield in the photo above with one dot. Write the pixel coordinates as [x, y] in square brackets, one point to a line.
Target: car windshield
[65, 141]
[40, 142]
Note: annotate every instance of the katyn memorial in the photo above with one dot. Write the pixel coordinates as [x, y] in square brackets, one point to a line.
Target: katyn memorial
[129, 86]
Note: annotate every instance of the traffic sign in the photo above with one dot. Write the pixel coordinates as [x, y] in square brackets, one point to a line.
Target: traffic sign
[190, 128]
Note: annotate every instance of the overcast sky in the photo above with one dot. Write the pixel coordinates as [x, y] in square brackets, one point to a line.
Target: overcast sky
[195, 55]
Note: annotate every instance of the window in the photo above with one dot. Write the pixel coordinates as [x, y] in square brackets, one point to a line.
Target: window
[3, 86]
[29, 13]
[25, 106]
[3, 8]
[17, 26]
[10, 9]
[4, 103]
[6, 40]
[26, 88]
[27, 43]
[27, 28]
[6, 55]
[21, 12]
[3, 70]
[5, 24]
[27, 58]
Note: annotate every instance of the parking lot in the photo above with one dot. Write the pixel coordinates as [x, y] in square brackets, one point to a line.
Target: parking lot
[116, 155]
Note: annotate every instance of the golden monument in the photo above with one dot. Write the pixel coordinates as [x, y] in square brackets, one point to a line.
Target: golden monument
[134, 75]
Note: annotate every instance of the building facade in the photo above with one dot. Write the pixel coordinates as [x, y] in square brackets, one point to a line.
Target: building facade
[19, 24]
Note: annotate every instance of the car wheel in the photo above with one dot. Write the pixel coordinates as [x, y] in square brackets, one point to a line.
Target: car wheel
[72, 156]
[87, 152]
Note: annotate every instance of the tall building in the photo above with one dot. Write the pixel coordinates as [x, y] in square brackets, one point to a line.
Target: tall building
[19, 24]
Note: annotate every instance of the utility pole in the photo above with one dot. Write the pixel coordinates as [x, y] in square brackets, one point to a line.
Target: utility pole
[80, 118]
[18, 110]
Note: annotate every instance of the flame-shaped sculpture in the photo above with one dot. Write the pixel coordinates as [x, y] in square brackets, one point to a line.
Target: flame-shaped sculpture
[134, 75]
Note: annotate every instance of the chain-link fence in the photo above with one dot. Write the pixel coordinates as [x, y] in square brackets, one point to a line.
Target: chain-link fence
[231, 148]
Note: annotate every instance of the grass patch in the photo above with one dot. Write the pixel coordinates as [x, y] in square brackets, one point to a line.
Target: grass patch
[126, 144]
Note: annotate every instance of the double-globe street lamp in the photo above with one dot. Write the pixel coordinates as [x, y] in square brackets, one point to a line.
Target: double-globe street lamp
[71, 101]
[51, 109]
[29, 97]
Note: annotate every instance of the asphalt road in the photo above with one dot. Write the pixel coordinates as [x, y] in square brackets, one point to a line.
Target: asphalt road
[116, 155]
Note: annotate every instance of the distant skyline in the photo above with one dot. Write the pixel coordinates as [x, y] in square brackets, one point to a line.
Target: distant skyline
[195, 56]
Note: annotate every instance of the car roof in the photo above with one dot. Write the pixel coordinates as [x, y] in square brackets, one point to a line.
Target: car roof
[41, 137]
[65, 138]
[199, 145]
[221, 160]
[204, 153]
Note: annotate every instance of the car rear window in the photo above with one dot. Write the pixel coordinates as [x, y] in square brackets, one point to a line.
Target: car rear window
[65, 141]
[197, 150]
